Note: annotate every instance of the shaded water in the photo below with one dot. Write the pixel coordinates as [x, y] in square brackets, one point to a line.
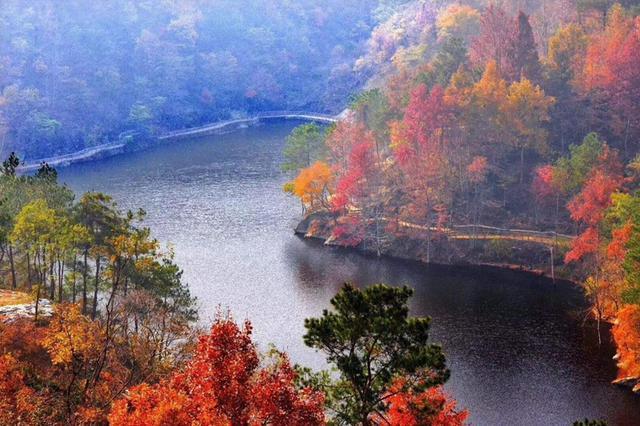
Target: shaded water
[514, 342]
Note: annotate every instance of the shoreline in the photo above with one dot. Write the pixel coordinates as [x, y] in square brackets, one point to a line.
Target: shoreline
[317, 228]
[112, 149]
[522, 256]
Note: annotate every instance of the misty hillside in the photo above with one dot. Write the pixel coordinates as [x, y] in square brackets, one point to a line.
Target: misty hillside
[77, 73]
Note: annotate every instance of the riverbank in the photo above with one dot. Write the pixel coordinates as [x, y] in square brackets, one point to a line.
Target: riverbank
[124, 145]
[529, 256]
[533, 257]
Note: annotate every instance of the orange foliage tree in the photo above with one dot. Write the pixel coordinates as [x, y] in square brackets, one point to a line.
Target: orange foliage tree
[19, 404]
[313, 186]
[626, 333]
[223, 385]
[431, 407]
[611, 72]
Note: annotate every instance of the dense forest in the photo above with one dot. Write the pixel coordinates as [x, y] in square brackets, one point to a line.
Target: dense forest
[76, 74]
[466, 115]
[494, 120]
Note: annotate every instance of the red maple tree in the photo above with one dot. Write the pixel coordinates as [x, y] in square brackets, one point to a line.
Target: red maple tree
[223, 384]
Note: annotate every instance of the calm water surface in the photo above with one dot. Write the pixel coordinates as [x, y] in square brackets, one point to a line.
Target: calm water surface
[514, 342]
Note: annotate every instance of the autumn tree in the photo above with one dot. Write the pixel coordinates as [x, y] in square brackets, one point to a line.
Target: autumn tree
[370, 339]
[430, 407]
[19, 404]
[566, 50]
[313, 185]
[611, 75]
[420, 148]
[626, 333]
[527, 110]
[562, 65]
[360, 192]
[458, 21]
[74, 343]
[481, 106]
[224, 383]
[588, 208]
[492, 44]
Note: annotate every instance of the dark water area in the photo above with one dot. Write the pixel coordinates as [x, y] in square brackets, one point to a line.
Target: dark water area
[515, 343]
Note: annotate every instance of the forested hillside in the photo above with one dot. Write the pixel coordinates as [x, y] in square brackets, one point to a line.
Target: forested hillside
[77, 73]
[471, 126]
[493, 118]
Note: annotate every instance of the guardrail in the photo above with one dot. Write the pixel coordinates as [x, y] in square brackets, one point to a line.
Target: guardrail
[211, 127]
[72, 157]
[485, 232]
[505, 231]
[90, 152]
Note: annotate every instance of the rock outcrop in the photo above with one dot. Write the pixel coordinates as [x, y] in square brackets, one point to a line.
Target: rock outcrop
[9, 313]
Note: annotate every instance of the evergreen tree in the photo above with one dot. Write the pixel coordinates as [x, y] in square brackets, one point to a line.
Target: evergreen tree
[522, 54]
[371, 340]
[10, 165]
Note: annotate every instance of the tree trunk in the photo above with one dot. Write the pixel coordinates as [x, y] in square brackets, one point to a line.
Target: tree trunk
[60, 280]
[37, 302]
[95, 290]
[626, 140]
[84, 283]
[52, 280]
[378, 251]
[521, 165]
[42, 268]
[28, 270]
[365, 419]
[428, 233]
[75, 270]
[553, 273]
[38, 267]
[14, 283]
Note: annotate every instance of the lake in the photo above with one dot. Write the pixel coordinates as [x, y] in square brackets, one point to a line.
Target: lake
[515, 343]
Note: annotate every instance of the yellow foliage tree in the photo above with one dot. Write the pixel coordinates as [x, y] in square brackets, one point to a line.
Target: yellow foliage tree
[313, 186]
[567, 48]
[482, 112]
[459, 21]
[72, 337]
[525, 112]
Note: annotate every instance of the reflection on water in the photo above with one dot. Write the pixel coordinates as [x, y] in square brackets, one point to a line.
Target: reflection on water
[514, 342]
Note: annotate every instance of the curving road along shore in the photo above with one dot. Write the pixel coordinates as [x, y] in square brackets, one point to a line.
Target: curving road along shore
[115, 148]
